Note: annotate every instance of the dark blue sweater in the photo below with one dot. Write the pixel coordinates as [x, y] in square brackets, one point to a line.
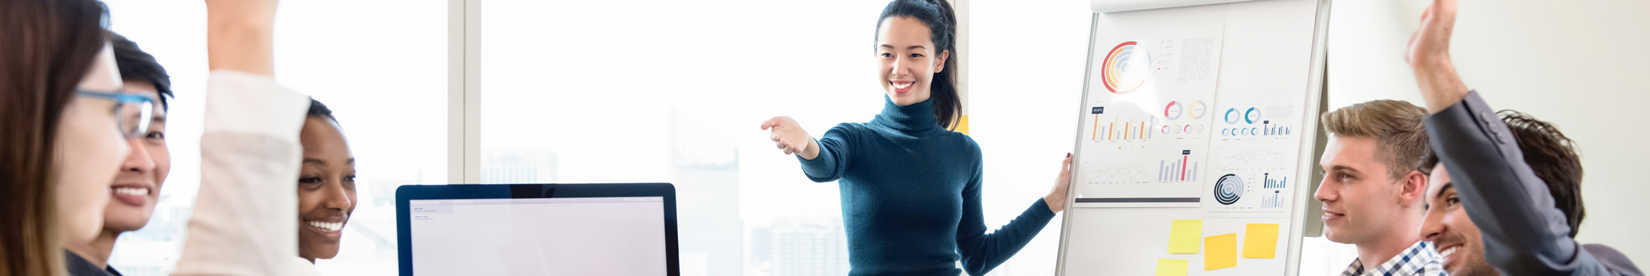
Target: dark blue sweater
[911, 196]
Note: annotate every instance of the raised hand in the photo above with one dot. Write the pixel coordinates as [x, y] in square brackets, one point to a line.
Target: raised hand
[1428, 55]
[240, 35]
[789, 137]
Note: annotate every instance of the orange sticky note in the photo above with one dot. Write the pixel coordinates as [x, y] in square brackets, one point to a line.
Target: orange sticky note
[1171, 267]
[1183, 236]
[1260, 241]
[1222, 251]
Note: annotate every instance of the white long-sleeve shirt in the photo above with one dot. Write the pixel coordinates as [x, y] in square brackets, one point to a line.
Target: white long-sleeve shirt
[246, 216]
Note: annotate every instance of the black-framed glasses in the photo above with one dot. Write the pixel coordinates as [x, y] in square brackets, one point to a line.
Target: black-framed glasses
[132, 111]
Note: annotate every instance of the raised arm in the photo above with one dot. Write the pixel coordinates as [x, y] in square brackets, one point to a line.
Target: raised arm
[244, 221]
[1523, 233]
[1428, 56]
[240, 36]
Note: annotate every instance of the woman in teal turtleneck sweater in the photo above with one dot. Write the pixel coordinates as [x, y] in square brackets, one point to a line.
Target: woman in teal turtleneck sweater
[910, 186]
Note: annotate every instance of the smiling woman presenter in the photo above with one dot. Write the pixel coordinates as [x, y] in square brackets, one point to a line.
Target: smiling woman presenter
[910, 186]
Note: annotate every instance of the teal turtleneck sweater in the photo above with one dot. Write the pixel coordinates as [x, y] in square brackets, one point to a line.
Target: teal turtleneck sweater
[911, 196]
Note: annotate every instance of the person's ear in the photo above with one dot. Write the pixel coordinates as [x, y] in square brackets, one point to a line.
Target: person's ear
[1414, 188]
[939, 63]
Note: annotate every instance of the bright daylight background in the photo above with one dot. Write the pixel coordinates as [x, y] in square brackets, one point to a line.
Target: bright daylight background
[657, 90]
[629, 91]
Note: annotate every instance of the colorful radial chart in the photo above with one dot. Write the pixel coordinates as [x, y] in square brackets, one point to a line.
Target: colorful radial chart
[1173, 111]
[1228, 189]
[1232, 116]
[1251, 116]
[1126, 68]
[1198, 109]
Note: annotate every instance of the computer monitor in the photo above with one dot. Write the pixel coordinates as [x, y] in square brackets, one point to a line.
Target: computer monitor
[537, 229]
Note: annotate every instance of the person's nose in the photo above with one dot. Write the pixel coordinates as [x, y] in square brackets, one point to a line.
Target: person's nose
[1325, 193]
[138, 160]
[337, 197]
[1433, 225]
[899, 66]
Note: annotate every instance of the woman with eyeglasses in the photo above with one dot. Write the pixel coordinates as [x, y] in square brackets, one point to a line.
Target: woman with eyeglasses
[910, 186]
[64, 132]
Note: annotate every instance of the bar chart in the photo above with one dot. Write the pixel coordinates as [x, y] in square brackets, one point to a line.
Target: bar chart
[1177, 170]
[1271, 183]
[1119, 127]
[1275, 200]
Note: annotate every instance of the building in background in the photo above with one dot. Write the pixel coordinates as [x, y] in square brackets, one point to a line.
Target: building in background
[705, 167]
[793, 247]
[518, 167]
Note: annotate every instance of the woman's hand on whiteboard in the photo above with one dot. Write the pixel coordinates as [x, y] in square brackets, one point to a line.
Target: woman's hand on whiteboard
[1428, 56]
[1056, 199]
[789, 137]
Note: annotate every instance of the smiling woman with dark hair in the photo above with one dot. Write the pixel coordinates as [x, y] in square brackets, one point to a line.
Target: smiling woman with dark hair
[326, 184]
[911, 186]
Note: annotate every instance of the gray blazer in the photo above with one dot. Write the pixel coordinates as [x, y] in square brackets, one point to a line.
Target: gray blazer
[1524, 234]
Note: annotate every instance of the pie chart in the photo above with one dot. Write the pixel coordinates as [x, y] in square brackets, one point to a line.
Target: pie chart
[1172, 111]
[1126, 68]
[1228, 189]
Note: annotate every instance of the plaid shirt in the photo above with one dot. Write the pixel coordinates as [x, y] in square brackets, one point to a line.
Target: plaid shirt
[1419, 259]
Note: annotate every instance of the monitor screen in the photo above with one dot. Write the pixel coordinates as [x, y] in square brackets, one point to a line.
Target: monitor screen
[538, 236]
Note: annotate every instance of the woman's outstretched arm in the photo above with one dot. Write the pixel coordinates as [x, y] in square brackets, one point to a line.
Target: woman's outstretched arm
[822, 160]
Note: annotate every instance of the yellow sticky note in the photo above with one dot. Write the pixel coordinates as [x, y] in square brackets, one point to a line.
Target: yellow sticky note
[1260, 241]
[1222, 251]
[1171, 267]
[1183, 236]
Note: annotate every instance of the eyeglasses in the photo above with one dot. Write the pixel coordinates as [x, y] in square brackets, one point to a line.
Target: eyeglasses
[140, 106]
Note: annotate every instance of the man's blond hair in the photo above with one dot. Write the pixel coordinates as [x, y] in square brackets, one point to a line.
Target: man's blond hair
[1396, 126]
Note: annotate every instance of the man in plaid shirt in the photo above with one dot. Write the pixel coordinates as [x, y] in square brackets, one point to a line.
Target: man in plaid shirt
[1372, 195]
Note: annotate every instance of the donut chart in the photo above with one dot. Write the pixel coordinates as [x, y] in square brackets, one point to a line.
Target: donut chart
[1126, 68]
[1228, 189]
[1232, 116]
[1198, 109]
[1173, 111]
[1251, 116]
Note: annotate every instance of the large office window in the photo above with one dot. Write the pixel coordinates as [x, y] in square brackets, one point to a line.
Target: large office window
[675, 91]
[623, 91]
[380, 65]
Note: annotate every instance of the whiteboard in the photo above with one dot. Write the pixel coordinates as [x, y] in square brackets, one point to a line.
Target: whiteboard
[1202, 113]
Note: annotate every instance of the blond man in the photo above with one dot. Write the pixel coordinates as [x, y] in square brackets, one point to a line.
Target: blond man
[1372, 195]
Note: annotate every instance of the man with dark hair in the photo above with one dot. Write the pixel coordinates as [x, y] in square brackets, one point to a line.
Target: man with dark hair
[1553, 159]
[1371, 192]
[1517, 188]
[140, 69]
[136, 187]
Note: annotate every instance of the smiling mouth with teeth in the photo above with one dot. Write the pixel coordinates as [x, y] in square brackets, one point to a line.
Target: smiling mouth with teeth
[132, 191]
[326, 226]
[900, 86]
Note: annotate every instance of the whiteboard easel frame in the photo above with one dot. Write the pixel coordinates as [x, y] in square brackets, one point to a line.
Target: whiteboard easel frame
[1307, 148]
